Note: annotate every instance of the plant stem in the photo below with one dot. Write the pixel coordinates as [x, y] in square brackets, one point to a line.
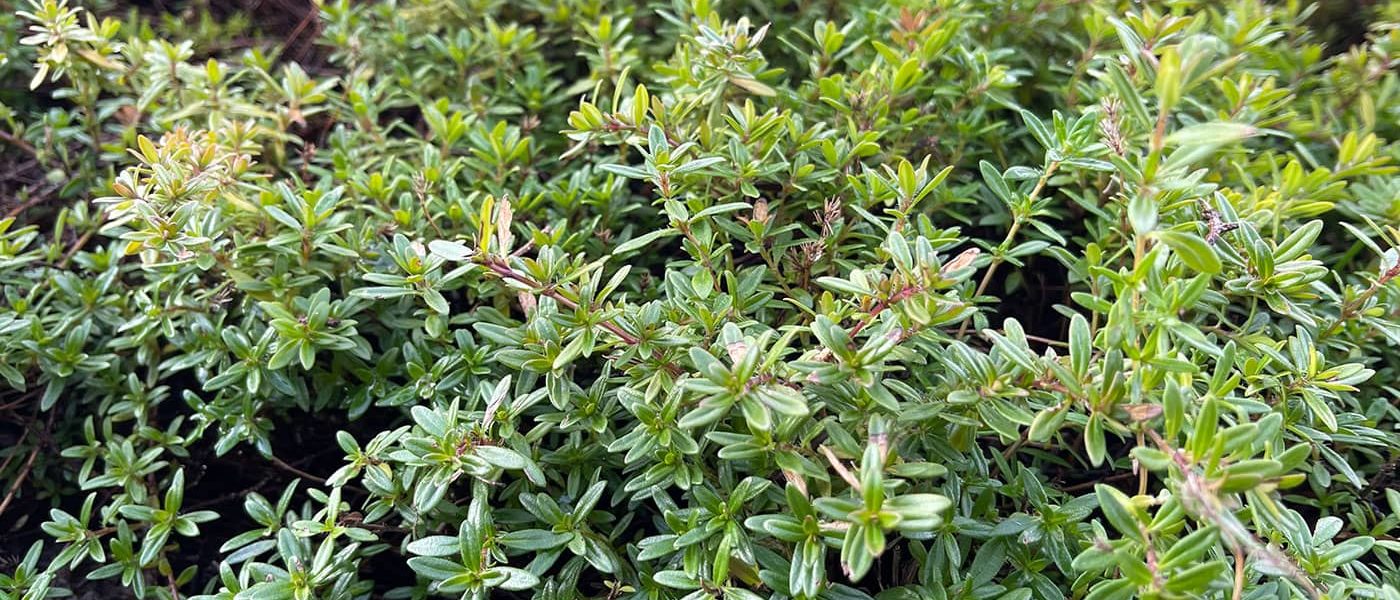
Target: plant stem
[773, 266]
[1142, 470]
[17, 142]
[997, 257]
[1139, 249]
[36, 197]
[73, 250]
[28, 466]
[1238, 592]
[1350, 309]
[170, 581]
[1159, 133]
[883, 305]
[504, 271]
[279, 463]
[19, 481]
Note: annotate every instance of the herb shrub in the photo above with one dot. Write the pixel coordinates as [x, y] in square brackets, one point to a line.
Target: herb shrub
[922, 299]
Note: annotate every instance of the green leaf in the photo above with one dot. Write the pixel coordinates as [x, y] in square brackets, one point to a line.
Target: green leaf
[1142, 214]
[784, 400]
[919, 507]
[435, 568]
[701, 164]
[1347, 551]
[1190, 548]
[589, 499]
[676, 579]
[751, 85]
[627, 171]
[1211, 134]
[498, 456]
[380, 292]
[1038, 130]
[1152, 459]
[1192, 249]
[453, 251]
[1119, 511]
[905, 76]
[1197, 578]
[514, 579]
[1094, 443]
[1198, 142]
[1169, 80]
[436, 301]
[1203, 437]
[1046, 423]
[434, 545]
[281, 216]
[992, 177]
[1080, 345]
[846, 286]
[268, 590]
[1298, 242]
[642, 241]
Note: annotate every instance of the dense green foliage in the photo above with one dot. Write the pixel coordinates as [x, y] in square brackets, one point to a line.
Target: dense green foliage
[920, 299]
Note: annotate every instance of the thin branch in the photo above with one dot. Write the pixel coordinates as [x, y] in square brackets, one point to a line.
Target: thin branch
[27, 468]
[313, 11]
[503, 270]
[17, 142]
[1016, 223]
[420, 191]
[279, 463]
[1238, 592]
[174, 588]
[1200, 500]
[841, 469]
[36, 198]
[111, 529]
[1140, 468]
[1355, 306]
[884, 305]
[1088, 485]
[73, 250]
[19, 481]
[11, 458]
